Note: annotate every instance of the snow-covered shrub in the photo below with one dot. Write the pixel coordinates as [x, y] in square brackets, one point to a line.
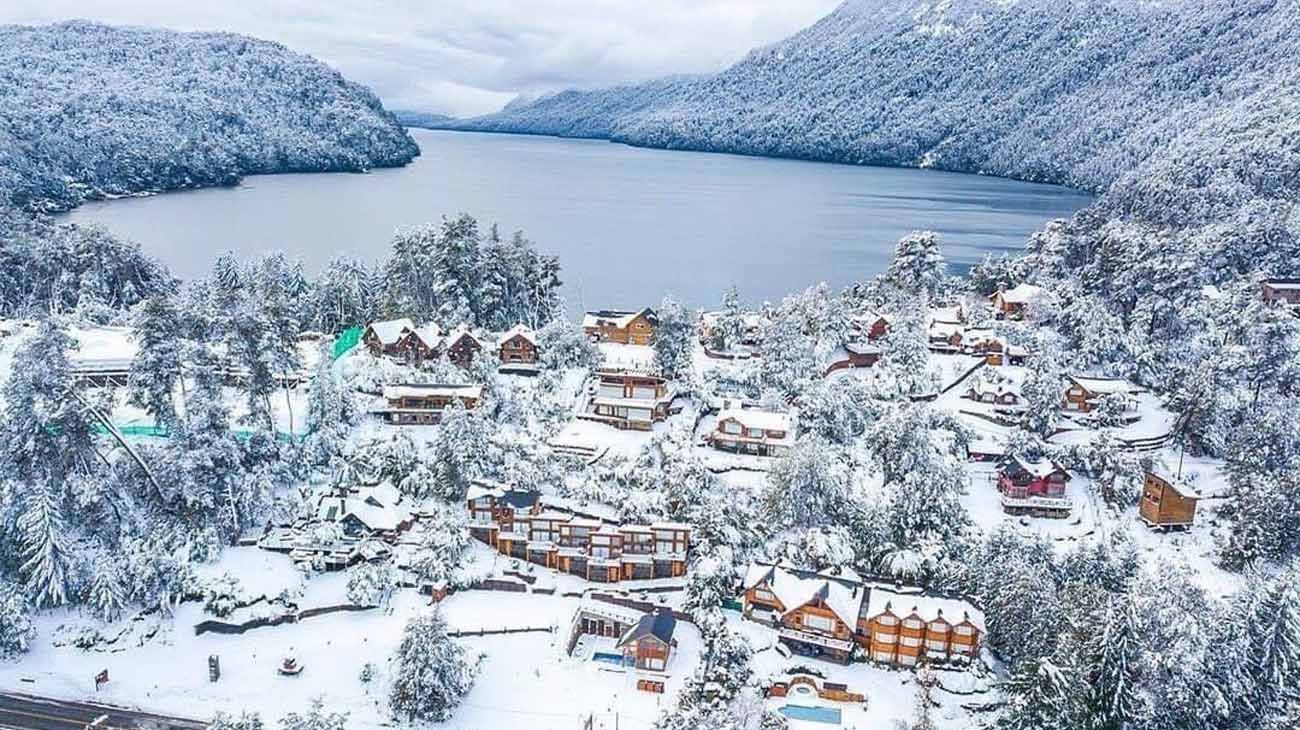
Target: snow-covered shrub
[370, 584]
[221, 596]
[16, 630]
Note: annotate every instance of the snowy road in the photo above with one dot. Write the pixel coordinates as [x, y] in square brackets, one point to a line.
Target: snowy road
[29, 712]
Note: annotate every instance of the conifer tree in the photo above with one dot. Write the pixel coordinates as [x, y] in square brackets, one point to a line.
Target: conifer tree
[431, 673]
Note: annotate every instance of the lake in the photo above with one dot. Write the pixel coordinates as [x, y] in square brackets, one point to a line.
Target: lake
[629, 224]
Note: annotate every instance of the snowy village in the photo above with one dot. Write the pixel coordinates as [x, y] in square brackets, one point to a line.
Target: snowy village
[828, 511]
[812, 365]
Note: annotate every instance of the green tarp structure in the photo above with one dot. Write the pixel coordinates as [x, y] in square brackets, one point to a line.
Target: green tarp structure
[347, 340]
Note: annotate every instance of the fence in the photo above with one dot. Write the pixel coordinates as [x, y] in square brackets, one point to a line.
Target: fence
[221, 627]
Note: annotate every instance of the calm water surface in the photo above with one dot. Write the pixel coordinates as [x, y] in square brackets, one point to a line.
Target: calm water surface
[628, 224]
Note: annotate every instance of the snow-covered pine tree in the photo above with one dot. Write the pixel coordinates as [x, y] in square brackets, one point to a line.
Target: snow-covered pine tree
[16, 630]
[673, 339]
[1044, 387]
[809, 487]
[1115, 698]
[444, 546]
[156, 369]
[371, 584]
[431, 673]
[918, 266]
[107, 592]
[905, 356]
[921, 713]
[1037, 698]
[455, 271]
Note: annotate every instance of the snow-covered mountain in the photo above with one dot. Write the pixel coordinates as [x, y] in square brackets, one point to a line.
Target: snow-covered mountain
[1080, 92]
[89, 109]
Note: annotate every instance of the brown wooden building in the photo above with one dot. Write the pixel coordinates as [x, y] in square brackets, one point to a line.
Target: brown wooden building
[385, 338]
[1084, 393]
[424, 404]
[624, 327]
[753, 431]
[628, 400]
[827, 615]
[1284, 291]
[577, 544]
[1166, 503]
[1011, 303]
[461, 347]
[518, 347]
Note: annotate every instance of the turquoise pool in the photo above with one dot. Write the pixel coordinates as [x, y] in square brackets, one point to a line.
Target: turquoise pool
[828, 715]
[608, 658]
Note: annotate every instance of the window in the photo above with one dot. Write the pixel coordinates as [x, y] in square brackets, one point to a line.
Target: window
[937, 644]
[964, 631]
[756, 433]
[884, 656]
[909, 641]
[732, 428]
[912, 623]
[886, 620]
[819, 623]
[762, 594]
[655, 664]
[886, 638]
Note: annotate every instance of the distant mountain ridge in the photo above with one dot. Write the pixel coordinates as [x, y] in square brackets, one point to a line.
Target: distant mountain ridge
[1083, 93]
[89, 110]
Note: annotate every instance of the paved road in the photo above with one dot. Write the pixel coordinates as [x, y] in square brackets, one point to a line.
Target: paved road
[28, 712]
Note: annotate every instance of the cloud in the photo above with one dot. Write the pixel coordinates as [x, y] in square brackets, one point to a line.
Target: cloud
[472, 56]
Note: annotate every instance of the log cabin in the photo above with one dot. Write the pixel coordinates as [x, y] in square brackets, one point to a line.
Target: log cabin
[577, 544]
[1281, 290]
[1166, 503]
[871, 324]
[946, 336]
[854, 355]
[461, 347]
[753, 431]
[424, 404]
[1034, 487]
[1012, 303]
[1083, 393]
[420, 344]
[987, 345]
[518, 347]
[384, 338]
[623, 327]
[828, 614]
[628, 400]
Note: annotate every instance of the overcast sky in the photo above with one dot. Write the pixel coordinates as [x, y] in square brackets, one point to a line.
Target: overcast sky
[472, 56]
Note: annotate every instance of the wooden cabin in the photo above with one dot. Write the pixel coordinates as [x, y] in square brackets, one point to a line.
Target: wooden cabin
[903, 628]
[753, 431]
[424, 404]
[385, 338]
[1003, 396]
[986, 345]
[1282, 290]
[1084, 393]
[628, 400]
[420, 344]
[854, 355]
[1166, 503]
[495, 508]
[1011, 303]
[874, 326]
[518, 347]
[649, 644]
[1034, 487]
[946, 336]
[461, 347]
[623, 327]
[815, 615]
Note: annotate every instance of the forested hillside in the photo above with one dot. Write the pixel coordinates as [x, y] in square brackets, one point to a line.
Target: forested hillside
[88, 110]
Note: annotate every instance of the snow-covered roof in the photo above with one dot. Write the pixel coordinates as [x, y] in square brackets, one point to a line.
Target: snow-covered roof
[613, 317]
[1020, 294]
[947, 314]
[1105, 386]
[1039, 468]
[614, 612]
[393, 392]
[754, 418]
[794, 590]
[945, 329]
[457, 335]
[520, 331]
[390, 331]
[1000, 388]
[1284, 284]
[430, 334]
[928, 608]
[380, 518]
[862, 348]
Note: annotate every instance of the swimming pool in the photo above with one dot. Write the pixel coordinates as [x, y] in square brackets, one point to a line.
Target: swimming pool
[608, 658]
[828, 715]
